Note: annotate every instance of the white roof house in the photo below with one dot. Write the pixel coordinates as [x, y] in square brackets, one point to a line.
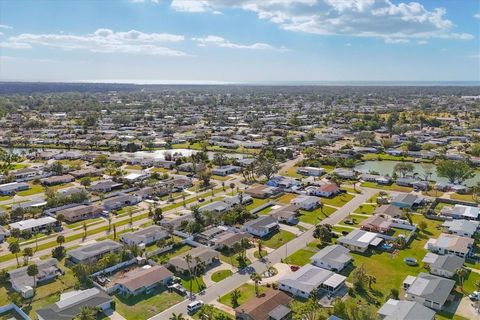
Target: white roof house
[310, 278]
[405, 310]
[359, 240]
[33, 224]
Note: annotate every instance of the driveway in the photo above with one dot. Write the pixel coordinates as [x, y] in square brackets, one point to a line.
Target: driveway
[466, 308]
[208, 275]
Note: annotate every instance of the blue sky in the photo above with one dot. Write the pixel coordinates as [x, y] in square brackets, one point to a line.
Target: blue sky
[240, 40]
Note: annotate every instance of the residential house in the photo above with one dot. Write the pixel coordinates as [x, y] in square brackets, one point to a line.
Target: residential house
[306, 202]
[215, 207]
[283, 182]
[464, 228]
[344, 173]
[23, 283]
[145, 236]
[405, 310]
[226, 170]
[13, 187]
[92, 252]
[272, 305]
[54, 180]
[262, 226]
[359, 240]
[120, 201]
[205, 255]
[333, 257]
[444, 266]
[460, 211]
[407, 200]
[262, 191]
[376, 224]
[80, 212]
[309, 278]
[143, 280]
[310, 171]
[104, 186]
[134, 177]
[326, 190]
[33, 226]
[451, 244]
[389, 212]
[430, 290]
[286, 214]
[71, 303]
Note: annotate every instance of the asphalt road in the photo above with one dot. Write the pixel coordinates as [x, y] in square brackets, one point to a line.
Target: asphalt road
[221, 288]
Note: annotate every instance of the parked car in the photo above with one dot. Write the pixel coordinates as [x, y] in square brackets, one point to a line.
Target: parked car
[194, 306]
[474, 296]
[294, 268]
[411, 261]
[201, 200]
[178, 288]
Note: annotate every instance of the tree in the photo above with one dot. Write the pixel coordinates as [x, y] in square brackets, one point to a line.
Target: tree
[27, 253]
[32, 271]
[267, 167]
[359, 278]
[234, 296]
[308, 310]
[260, 248]
[157, 215]
[323, 233]
[422, 225]
[85, 227]
[455, 171]
[256, 278]
[404, 168]
[177, 316]
[86, 313]
[14, 248]
[86, 181]
[60, 240]
[394, 293]
[188, 260]
[461, 274]
[371, 279]
[206, 312]
[408, 215]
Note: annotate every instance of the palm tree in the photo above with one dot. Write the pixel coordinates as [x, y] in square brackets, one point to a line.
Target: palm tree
[85, 227]
[60, 240]
[234, 296]
[86, 313]
[177, 317]
[188, 260]
[256, 278]
[32, 271]
[109, 222]
[461, 274]
[27, 253]
[14, 248]
[260, 247]
[371, 279]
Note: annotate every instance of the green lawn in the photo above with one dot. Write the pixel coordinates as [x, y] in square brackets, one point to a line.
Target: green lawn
[142, 307]
[256, 254]
[393, 187]
[197, 283]
[291, 172]
[277, 239]
[247, 291]
[222, 178]
[257, 203]
[233, 259]
[301, 257]
[317, 215]
[462, 197]
[220, 275]
[164, 257]
[5, 198]
[34, 189]
[338, 201]
[215, 313]
[286, 198]
[365, 209]
[355, 218]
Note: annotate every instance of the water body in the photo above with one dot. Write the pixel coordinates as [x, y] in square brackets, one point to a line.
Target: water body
[155, 154]
[387, 167]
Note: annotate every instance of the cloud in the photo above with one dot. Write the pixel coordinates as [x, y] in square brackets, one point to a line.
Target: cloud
[474, 56]
[477, 15]
[192, 5]
[102, 40]
[143, 1]
[4, 26]
[395, 23]
[217, 41]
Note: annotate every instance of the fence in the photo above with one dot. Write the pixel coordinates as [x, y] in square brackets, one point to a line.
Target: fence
[14, 308]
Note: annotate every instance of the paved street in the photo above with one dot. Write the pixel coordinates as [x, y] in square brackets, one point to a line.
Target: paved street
[230, 283]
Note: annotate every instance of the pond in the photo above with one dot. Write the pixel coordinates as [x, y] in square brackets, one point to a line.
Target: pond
[387, 167]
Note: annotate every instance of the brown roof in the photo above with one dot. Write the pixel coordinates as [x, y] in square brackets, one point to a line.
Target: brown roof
[259, 308]
[285, 212]
[140, 278]
[389, 210]
[80, 210]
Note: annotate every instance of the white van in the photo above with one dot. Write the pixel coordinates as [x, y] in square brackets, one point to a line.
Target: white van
[194, 306]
